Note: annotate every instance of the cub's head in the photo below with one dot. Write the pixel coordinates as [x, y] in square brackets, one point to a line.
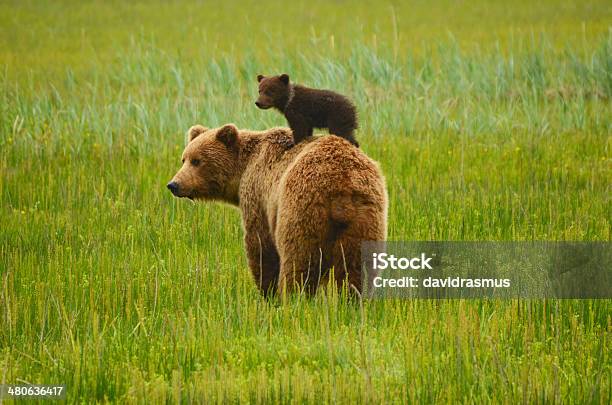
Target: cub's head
[273, 91]
[210, 165]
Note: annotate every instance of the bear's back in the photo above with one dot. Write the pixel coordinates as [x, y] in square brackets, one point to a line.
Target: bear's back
[316, 171]
[329, 173]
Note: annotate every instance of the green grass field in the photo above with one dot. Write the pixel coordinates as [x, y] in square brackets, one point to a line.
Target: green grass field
[491, 122]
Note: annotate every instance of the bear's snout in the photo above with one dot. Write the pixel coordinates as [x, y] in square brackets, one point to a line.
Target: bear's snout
[264, 105]
[173, 187]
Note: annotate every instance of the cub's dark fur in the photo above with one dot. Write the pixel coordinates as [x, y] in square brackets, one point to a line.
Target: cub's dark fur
[306, 108]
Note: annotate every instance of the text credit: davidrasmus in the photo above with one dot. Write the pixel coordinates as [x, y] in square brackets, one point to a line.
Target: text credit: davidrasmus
[472, 269]
[384, 261]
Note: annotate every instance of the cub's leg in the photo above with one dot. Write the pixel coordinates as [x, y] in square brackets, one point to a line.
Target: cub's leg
[300, 127]
[345, 130]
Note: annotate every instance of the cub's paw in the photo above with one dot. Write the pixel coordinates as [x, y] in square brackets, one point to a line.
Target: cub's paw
[286, 143]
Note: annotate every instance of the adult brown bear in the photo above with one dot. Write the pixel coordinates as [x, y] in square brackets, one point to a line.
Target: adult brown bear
[305, 210]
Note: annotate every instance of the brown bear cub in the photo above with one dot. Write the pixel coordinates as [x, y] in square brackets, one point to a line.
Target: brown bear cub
[306, 108]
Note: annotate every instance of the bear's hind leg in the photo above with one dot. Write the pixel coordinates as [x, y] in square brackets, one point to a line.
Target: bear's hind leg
[264, 263]
[303, 248]
[363, 220]
[343, 130]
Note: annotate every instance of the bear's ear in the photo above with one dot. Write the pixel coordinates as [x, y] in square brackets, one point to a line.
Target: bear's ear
[260, 78]
[284, 78]
[228, 135]
[195, 131]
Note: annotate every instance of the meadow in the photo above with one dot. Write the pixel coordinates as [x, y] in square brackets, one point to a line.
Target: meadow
[491, 121]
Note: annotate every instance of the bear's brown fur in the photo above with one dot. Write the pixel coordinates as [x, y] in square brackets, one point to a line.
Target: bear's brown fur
[306, 108]
[304, 210]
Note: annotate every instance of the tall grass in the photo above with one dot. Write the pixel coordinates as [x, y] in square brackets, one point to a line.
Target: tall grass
[113, 287]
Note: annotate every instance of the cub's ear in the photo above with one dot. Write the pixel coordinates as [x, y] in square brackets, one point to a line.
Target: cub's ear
[284, 78]
[260, 77]
[195, 131]
[228, 135]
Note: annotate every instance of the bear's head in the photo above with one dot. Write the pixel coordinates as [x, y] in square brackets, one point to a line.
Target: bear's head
[210, 165]
[273, 91]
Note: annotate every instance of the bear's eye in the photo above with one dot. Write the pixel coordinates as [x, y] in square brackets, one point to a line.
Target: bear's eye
[195, 162]
[183, 160]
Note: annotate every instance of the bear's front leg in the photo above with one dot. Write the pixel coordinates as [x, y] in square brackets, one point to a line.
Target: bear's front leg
[263, 262]
[300, 127]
